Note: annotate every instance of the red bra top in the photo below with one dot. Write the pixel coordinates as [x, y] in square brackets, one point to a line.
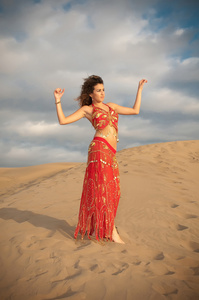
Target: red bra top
[101, 118]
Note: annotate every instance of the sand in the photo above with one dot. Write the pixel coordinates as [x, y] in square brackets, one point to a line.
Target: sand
[158, 218]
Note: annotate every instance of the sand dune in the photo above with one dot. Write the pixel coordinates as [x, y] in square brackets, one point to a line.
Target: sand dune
[158, 218]
[12, 179]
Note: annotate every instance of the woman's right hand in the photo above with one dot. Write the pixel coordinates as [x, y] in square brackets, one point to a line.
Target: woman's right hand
[58, 93]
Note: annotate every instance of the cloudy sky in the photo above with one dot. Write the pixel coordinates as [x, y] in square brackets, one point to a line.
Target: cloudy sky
[48, 44]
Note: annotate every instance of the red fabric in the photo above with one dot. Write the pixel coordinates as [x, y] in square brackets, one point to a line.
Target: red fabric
[101, 118]
[101, 191]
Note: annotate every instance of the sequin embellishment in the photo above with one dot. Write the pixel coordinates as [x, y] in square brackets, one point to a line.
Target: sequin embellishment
[102, 118]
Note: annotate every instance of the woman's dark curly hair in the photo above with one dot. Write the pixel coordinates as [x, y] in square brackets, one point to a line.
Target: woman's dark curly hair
[87, 88]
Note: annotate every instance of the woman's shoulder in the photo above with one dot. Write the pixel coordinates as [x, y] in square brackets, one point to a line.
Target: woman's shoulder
[112, 105]
[88, 110]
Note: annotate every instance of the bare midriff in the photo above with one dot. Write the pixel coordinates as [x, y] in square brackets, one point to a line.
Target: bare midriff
[109, 133]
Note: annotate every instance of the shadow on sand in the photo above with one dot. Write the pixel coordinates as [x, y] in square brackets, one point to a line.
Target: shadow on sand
[38, 220]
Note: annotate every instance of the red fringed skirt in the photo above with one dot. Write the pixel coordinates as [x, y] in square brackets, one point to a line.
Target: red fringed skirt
[101, 191]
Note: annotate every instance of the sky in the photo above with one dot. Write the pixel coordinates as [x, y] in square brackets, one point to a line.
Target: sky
[49, 44]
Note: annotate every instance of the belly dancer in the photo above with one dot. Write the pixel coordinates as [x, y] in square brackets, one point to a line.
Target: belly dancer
[101, 186]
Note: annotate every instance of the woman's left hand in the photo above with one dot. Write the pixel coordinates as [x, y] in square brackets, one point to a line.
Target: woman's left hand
[141, 83]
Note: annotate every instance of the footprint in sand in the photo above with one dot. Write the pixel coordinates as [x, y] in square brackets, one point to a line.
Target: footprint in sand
[124, 267]
[175, 256]
[194, 246]
[124, 251]
[137, 263]
[94, 267]
[173, 292]
[181, 227]
[164, 289]
[76, 265]
[68, 277]
[186, 216]
[195, 270]
[174, 205]
[169, 273]
[180, 257]
[189, 216]
[159, 256]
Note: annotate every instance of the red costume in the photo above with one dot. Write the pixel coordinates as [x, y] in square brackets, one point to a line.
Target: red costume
[101, 118]
[101, 187]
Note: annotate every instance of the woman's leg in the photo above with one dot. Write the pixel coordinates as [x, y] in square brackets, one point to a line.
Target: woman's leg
[115, 236]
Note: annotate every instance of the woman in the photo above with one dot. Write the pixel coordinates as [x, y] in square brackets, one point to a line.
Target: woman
[101, 188]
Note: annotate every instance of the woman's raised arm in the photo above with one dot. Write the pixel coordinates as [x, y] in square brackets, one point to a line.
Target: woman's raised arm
[63, 120]
[122, 110]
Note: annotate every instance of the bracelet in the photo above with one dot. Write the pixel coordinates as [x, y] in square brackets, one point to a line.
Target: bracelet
[58, 102]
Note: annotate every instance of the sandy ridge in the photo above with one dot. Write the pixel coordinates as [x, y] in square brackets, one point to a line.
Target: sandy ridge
[13, 180]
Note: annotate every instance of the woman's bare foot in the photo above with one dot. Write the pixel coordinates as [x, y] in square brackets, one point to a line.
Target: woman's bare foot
[115, 236]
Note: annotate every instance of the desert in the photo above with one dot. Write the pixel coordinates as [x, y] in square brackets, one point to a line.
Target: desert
[158, 218]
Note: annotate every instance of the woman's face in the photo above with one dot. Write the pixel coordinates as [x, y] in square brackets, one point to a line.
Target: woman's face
[98, 93]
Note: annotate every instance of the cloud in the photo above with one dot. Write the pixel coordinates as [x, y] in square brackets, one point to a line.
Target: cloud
[26, 156]
[41, 130]
[167, 100]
